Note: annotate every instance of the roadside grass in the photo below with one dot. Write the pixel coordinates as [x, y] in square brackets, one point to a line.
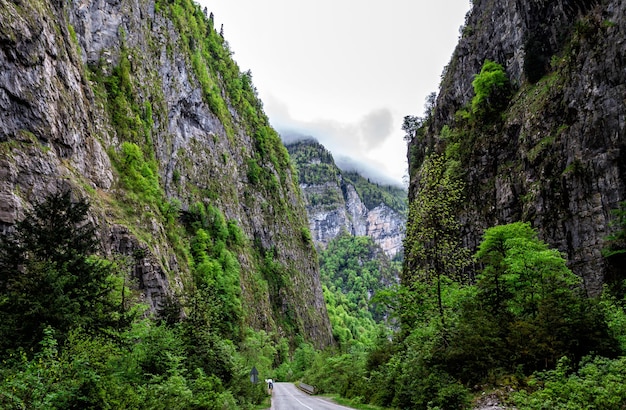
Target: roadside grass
[354, 403]
[265, 405]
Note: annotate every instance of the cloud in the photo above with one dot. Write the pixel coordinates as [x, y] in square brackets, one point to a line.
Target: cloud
[355, 145]
[376, 127]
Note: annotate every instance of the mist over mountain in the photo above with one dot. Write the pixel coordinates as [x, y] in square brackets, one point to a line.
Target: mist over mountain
[345, 202]
[344, 161]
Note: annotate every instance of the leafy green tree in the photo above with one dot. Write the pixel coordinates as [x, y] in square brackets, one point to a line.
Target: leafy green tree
[527, 311]
[50, 278]
[491, 89]
[431, 246]
[617, 240]
[598, 383]
[410, 125]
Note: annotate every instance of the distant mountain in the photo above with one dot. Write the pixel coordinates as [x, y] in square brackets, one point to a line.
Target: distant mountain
[339, 201]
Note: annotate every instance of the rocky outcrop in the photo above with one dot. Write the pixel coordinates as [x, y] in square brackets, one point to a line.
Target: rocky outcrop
[334, 205]
[556, 157]
[63, 121]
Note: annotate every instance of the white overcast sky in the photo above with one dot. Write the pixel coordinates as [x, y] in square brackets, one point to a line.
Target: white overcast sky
[345, 72]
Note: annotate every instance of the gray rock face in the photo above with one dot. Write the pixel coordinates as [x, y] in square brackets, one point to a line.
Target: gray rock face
[557, 160]
[150, 276]
[55, 132]
[334, 205]
[47, 129]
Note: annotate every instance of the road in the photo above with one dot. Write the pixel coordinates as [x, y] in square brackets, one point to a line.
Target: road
[286, 396]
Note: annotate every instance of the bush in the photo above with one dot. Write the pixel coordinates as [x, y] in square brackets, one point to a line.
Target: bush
[597, 384]
[491, 90]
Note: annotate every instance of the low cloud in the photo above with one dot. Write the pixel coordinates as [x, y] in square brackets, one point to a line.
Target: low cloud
[376, 127]
[353, 144]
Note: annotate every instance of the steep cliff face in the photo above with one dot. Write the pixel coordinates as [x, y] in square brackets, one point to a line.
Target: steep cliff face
[334, 204]
[138, 105]
[554, 155]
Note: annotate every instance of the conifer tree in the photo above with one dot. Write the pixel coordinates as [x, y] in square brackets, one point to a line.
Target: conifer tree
[48, 277]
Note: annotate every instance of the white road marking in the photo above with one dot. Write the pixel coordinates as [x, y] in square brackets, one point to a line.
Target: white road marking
[296, 399]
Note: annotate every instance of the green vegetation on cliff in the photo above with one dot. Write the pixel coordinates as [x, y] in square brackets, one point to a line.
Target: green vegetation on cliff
[316, 166]
[74, 335]
[215, 217]
[373, 194]
[523, 322]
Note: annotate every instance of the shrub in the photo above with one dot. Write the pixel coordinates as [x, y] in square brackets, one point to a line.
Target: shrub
[491, 89]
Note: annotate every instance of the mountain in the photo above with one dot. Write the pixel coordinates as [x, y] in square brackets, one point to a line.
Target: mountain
[140, 108]
[530, 114]
[338, 201]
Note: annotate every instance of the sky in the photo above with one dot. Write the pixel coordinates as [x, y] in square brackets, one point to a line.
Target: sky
[345, 72]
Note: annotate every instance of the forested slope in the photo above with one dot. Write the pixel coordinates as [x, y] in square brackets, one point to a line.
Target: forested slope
[512, 291]
[136, 109]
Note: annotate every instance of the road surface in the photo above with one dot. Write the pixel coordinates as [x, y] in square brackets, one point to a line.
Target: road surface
[286, 396]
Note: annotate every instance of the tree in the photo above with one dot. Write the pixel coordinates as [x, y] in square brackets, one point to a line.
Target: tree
[615, 251]
[49, 276]
[432, 246]
[528, 309]
[491, 89]
[410, 125]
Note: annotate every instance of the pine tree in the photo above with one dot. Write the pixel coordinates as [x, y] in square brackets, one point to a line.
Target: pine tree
[49, 278]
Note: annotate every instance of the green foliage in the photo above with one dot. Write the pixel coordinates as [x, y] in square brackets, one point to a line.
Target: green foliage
[527, 311]
[316, 166]
[523, 313]
[411, 126]
[615, 314]
[374, 195]
[254, 171]
[270, 147]
[431, 246]
[277, 278]
[329, 198]
[69, 339]
[50, 278]
[617, 241]
[139, 175]
[597, 384]
[342, 374]
[145, 369]
[520, 271]
[216, 274]
[132, 119]
[222, 83]
[491, 89]
[354, 269]
[315, 163]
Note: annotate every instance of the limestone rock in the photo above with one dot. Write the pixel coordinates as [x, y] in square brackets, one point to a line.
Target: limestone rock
[334, 205]
[556, 160]
[56, 132]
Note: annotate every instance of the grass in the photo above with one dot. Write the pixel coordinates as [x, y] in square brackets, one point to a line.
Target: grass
[353, 403]
[265, 405]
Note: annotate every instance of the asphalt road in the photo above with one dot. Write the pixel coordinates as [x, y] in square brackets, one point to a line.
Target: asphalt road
[286, 396]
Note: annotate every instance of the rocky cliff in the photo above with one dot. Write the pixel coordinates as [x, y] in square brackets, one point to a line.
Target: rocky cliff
[338, 201]
[138, 105]
[552, 152]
